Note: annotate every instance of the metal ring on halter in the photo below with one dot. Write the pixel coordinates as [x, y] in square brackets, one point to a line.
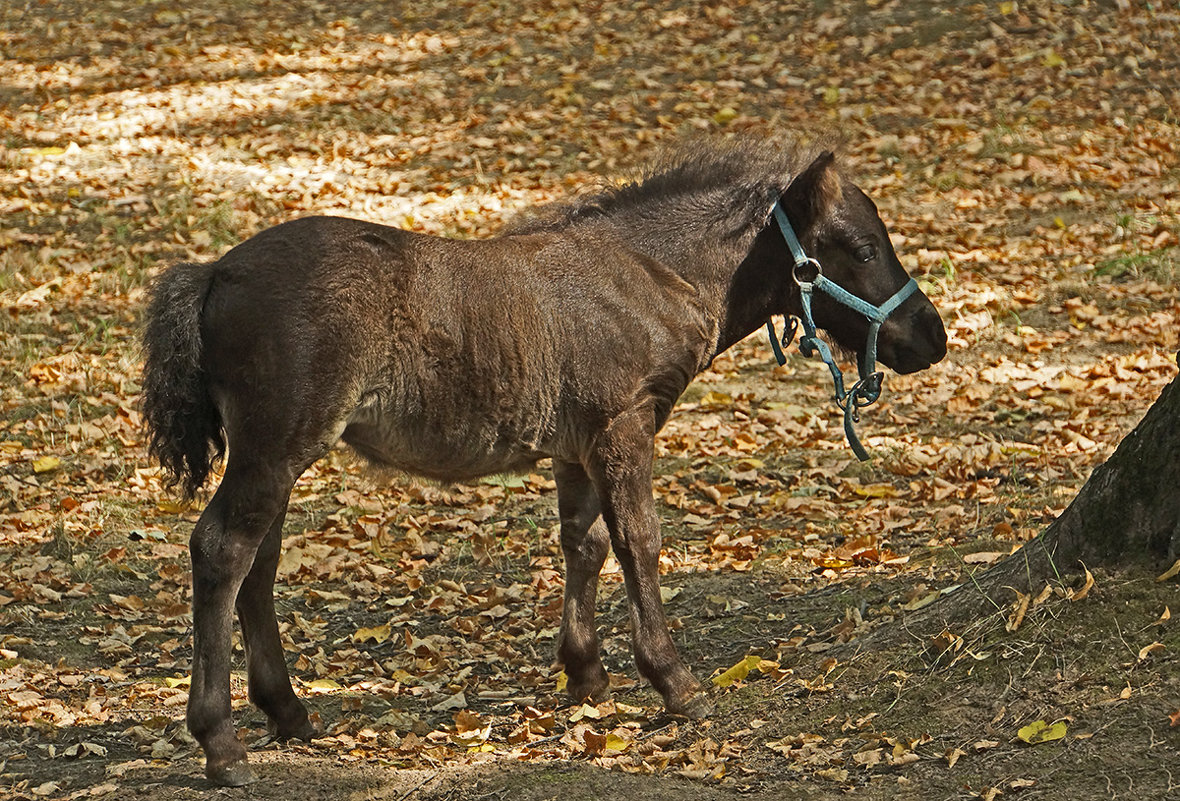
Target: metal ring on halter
[808, 262]
[869, 389]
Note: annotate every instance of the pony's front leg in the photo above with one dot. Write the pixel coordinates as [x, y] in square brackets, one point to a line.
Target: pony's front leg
[621, 468]
[584, 543]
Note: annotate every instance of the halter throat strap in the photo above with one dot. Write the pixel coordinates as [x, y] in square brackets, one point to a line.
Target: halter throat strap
[868, 388]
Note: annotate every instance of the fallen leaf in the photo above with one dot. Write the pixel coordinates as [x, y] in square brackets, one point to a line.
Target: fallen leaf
[322, 686]
[738, 672]
[1020, 608]
[1041, 732]
[1170, 572]
[585, 711]
[1086, 587]
[377, 634]
[46, 464]
[1148, 650]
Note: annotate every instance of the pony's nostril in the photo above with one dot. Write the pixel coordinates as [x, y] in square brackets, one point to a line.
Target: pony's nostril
[937, 336]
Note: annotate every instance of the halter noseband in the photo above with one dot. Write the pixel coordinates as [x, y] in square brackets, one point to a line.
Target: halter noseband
[867, 389]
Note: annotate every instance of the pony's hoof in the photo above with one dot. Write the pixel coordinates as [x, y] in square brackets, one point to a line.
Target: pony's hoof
[235, 774]
[696, 706]
[593, 690]
[307, 729]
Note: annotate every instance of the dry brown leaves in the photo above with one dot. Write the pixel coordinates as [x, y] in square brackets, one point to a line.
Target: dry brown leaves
[1024, 157]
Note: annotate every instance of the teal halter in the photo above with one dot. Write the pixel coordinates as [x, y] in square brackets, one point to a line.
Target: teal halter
[867, 389]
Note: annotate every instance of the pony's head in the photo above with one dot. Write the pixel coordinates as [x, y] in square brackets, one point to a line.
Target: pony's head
[839, 227]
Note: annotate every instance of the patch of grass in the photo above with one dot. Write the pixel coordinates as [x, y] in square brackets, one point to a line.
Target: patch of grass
[1161, 266]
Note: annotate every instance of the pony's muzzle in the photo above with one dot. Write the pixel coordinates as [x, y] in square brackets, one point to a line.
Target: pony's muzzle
[913, 342]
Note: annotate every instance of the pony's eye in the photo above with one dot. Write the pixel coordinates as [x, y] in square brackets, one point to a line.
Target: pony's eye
[865, 253]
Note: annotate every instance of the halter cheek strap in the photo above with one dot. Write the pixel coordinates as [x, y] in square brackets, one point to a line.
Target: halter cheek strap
[868, 388]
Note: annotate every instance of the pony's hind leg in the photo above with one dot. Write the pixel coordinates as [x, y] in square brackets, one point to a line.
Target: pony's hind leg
[223, 547]
[585, 543]
[266, 668]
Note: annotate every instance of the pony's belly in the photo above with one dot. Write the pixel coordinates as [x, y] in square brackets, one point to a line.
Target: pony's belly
[441, 453]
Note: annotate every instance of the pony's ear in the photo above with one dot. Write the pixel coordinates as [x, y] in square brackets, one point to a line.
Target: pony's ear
[813, 192]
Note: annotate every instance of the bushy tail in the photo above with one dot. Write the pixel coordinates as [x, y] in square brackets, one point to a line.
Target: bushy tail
[185, 429]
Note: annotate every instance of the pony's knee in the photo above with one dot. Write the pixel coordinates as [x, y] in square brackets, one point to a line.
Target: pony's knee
[585, 541]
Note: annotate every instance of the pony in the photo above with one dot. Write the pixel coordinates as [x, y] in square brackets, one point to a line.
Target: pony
[568, 336]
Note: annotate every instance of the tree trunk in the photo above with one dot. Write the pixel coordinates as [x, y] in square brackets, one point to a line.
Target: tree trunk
[1127, 512]
[1129, 509]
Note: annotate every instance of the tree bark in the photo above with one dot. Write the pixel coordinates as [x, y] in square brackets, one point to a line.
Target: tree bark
[1127, 512]
[1129, 509]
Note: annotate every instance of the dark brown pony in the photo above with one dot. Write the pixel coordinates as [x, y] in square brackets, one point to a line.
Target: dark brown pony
[569, 336]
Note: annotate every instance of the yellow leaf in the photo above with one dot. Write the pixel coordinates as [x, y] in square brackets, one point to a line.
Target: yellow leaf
[322, 686]
[470, 730]
[131, 602]
[738, 671]
[377, 634]
[45, 464]
[725, 115]
[466, 720]
[1041, 732]
[1070, 383]
[172, 507]
[668, 593]
[984, 557]
[1051, 59]
[869, 759]
[174, 681]
[876, 491]
[616, 743]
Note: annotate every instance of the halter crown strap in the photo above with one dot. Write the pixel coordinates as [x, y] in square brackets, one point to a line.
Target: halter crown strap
[784, 225]
[866, 390]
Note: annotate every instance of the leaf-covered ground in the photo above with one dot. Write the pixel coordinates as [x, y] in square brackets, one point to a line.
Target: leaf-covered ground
[1025, 157]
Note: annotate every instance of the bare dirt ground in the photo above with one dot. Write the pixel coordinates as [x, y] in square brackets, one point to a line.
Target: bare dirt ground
[1024, 157]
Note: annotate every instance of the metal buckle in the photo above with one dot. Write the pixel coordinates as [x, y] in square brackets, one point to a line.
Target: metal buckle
[790, 328]
[808, 262]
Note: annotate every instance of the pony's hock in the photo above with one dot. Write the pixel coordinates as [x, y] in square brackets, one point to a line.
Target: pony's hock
[456, 359]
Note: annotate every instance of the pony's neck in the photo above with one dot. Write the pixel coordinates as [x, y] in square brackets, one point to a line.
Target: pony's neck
[759, 288]
[738, 278]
